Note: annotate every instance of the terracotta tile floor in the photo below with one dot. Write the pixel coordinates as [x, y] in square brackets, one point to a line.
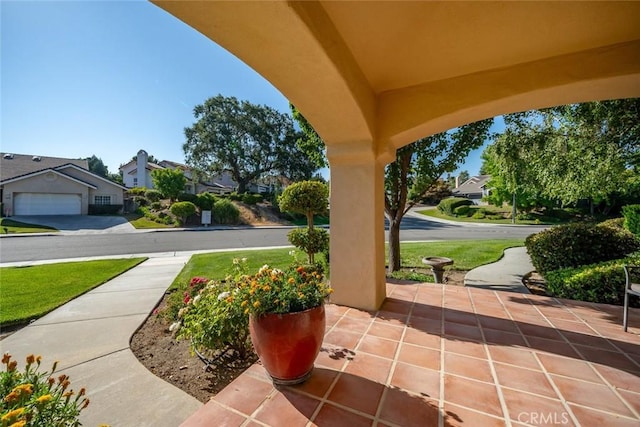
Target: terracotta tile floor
[449, 356]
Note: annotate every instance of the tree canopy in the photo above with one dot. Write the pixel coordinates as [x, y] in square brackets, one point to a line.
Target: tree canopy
[249, 141]
[170, 182]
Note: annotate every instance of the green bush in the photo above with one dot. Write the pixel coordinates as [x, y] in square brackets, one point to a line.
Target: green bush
[153, 195]
[600, 283]
[205, 201]
[38, 398]
[448, 206]
[631, 215]
[310, 240]
[615, 223]
[573, 245]
[235, 197]
[137, 191]
[141, 201]
[187, 197]
[183, 210]
[225, 212]
[463, 210]
[156, 206]
[251, 199]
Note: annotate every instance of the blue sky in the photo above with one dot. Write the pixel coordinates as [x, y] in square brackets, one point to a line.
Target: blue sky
[109, 78]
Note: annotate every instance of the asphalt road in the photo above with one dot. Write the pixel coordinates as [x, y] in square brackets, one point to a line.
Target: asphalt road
[31, 248]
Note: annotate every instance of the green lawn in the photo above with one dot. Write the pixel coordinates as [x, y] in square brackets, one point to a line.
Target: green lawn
[467, 254]
[435, 213]
[9, 226]
[142, 222]
[30, 292]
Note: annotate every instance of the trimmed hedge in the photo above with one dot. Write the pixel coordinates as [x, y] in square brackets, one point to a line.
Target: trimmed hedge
[205, 201]
[632, 218]
[573, 245]
[225, 212]
[599, 283]
[251, 199]
[449, 205]
[153, 195]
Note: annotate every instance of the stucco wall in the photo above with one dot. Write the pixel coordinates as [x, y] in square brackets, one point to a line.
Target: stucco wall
[45, 183]
[104, 188]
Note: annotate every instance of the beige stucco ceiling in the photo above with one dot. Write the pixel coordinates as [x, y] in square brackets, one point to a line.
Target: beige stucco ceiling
[394, 71]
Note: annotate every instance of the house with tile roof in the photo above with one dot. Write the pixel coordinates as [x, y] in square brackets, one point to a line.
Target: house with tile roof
[475, 188]
[41, 185]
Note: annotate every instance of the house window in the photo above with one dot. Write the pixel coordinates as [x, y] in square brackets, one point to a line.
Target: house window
[102, 200]
[135, 182]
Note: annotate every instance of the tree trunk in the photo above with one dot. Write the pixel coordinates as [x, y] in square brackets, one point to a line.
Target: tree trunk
[394, 245]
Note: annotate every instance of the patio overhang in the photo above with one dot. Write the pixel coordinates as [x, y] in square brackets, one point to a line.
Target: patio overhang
[374, 76]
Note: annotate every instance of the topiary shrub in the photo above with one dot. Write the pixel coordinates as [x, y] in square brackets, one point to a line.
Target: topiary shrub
[600, 283]
[205, 201]
[615, 223]
[141, 201]
[251, 199]
[573, 245]
[187, 197]
[631, 215]
[310, 240]
[463, 210]
[225, 212]
[183, 210]
[447, 206]
[137, 191]
[153, 195]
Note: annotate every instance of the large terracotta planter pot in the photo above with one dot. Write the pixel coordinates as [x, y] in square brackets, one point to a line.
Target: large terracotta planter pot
[288, 344]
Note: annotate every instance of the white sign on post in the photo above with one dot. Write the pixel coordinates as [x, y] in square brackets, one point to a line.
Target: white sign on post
[206, 217]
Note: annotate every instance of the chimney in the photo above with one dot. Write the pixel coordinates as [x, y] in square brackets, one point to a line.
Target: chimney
[141, 163]
[457, 181]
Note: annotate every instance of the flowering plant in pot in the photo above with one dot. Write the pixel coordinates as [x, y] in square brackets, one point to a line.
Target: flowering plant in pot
[287, 318]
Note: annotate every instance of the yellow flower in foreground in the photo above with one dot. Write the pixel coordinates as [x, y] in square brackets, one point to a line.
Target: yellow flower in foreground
[12, 414]
[20, 423]
[24, 388]
[256, 304]
[44, 398]
[291, 280]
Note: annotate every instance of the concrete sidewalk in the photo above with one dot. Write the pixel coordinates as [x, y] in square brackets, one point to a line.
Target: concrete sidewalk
[90, 337]
[504, 275]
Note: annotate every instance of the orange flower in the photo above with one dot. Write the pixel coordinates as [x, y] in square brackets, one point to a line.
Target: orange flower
[11, 397]
[44, 398]
[31, 359]
[6, 358]
[291, 280]
[24, 388]
[300, 269]
[12, 414]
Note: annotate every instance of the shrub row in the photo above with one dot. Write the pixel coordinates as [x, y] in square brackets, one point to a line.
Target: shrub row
[573, 245]
[449, 205]
[104, 209]
[632, 218]
[599, 283]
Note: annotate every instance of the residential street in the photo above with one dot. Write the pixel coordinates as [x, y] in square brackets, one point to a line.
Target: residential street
[32, 248]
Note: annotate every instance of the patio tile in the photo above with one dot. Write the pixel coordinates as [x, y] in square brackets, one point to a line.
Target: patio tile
[430, 326]
[244, 394]
[360, 314]
[569, 368]
[619, 378]
[405, 409]
[427, 311]
[370, 367]
[333, 357]
[391, 318]
[524, 379]
[472, 394]
[609, 358]
[421, 338]
[378, 346]
[590, 417]
[539, 331]
[396, 306]
[386, 331]
[500, 324]
[589, 340]
[318, 384]
[503, 338]
[457, 416]
[353, 325]
[425, 382]
[469, 348]
[357, 393]
[536, 410]
[523, 358]
[592, 395]
[420, 356]
[469, 367]
[632, 399]
[342, 338]
[463, 331]
[552, 347]
[214, 411]
[460, 317]
[287, 408]
[331, 415]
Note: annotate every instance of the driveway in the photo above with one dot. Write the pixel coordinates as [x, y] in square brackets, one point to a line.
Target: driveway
[80, 224]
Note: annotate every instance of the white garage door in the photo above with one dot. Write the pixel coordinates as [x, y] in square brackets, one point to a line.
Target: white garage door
[47, 204]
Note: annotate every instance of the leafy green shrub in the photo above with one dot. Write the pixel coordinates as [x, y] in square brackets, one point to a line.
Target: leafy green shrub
[310, 240]
[153, 195]
[447, 206]
[156, 206]
[187, 197]
[32, 398]
[212, 317]
[631, 215]
[479, 214]
[205, 201]
[573, 245]
[494, 217]
[141, 201]
[463, 210]
[235, 197]
[600, 283]
[616, 223]
[183, 210]
[251, 199]
[137, 191]
[225, 212]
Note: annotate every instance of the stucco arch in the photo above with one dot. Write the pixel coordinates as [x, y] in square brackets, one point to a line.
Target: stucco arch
[374, 76]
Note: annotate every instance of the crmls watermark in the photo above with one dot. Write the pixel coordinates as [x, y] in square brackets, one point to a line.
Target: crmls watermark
[544, 418]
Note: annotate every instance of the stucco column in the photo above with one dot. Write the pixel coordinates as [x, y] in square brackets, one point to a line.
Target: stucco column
[357, 228]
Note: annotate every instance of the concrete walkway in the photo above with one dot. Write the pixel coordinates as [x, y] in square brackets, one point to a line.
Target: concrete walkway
[90, 337]
[504, 275]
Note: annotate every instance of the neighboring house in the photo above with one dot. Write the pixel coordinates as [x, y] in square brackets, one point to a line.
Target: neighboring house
[39, 185]
[474, 189]
[137, 173]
